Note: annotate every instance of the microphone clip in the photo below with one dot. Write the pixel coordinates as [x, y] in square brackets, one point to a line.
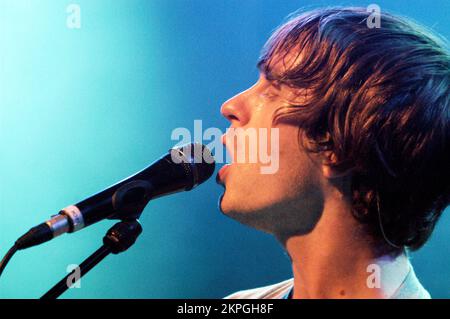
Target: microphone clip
[130, 199]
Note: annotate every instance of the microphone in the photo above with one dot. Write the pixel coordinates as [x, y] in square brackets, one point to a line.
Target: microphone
[182, 169]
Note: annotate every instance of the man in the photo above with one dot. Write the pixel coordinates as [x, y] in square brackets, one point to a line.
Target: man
[364, 149]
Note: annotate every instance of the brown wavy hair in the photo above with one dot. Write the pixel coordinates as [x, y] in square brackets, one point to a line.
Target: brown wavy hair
[378, 98]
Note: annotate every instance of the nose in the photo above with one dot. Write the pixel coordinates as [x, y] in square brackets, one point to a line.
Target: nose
[235, 110]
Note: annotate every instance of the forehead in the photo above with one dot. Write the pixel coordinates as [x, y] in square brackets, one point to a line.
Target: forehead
[281, 62]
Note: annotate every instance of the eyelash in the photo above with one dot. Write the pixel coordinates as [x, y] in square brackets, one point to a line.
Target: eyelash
[269, 96]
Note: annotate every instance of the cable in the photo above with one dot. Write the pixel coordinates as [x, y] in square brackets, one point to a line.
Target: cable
[381, 225]
[7, 258]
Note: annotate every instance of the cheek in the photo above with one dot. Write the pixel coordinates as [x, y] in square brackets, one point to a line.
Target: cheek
[297, 168]
[292, 170]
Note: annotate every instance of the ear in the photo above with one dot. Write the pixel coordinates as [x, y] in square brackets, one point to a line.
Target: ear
[328, 171]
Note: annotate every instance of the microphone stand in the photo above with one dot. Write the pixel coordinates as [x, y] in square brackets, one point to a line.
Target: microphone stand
[118, 238]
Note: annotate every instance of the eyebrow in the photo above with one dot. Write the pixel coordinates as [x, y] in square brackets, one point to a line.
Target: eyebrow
[275, 79]
[262, 67]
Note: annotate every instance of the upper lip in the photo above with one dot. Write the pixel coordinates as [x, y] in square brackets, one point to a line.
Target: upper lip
[218, 179]
[224, 142]
[227, 149]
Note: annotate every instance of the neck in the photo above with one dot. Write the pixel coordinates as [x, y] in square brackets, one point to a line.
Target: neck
[337, 260]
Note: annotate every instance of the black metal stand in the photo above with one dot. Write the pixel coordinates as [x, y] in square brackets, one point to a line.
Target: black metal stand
[119, 238]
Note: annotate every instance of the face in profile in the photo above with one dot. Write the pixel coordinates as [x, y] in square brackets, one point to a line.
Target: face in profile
[286, 201]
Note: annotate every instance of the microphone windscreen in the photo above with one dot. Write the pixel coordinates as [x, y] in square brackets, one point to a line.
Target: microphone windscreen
[199, 158]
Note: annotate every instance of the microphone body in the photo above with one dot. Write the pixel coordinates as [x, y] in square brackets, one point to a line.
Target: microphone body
[182, 169]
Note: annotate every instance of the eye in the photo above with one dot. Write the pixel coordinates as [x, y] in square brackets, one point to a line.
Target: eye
[269, 95]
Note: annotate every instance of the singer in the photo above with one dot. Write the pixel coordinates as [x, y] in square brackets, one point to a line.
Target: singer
[364, 152]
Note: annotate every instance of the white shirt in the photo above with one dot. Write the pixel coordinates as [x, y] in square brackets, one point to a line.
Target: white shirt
[410, 288]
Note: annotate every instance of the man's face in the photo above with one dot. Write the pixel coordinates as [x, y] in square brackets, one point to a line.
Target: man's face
[286, 201]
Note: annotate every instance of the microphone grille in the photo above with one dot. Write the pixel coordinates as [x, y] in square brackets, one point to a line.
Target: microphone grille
[198, 159]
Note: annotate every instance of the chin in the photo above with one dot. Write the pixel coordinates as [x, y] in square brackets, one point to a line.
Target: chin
[230, 205]
[225, 206]
[250, 215]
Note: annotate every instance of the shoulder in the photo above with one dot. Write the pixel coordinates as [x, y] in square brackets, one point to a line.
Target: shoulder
[275, 291]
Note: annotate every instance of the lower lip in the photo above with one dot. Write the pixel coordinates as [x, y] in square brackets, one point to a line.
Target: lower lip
[222, 173]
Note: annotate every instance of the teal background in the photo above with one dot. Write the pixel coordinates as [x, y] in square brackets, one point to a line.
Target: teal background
[83, 108]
